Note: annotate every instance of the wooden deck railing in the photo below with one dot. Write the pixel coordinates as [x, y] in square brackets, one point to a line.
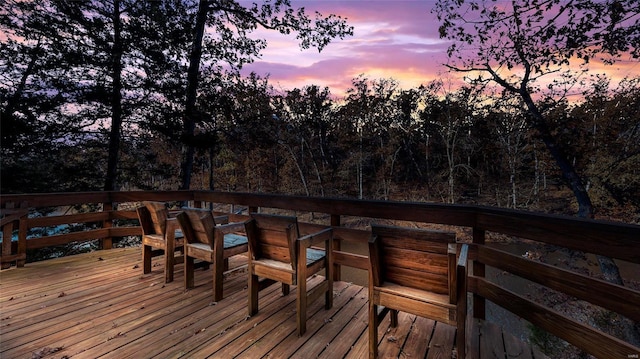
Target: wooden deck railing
[613, 240]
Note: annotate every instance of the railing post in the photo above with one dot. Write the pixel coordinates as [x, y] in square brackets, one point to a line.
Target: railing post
[335, 222]
[7, 234]
[14, 218]
[22, 240]
[107, 242]
[478, 271]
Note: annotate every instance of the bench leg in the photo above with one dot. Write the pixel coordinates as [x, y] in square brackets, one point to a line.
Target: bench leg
[146, 259]
[328, 299]
[169, 256]
[253, 292]
[373, 330]
[218, 271]
[394, 318]
[189, 267]
[301, 306]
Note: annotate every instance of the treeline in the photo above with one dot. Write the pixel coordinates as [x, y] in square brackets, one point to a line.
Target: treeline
[100, 90]
[379, 141]
[426, 143]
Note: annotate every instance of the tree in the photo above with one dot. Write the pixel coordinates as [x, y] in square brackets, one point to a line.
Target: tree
[607, 130]
[98, 28]
[228, 25]
[48, 92]
[309, 110]
[450, 120]
[408, 104]
[249, 131]
[517, 44]
[75, 53]
[368, 113]
[511, 135]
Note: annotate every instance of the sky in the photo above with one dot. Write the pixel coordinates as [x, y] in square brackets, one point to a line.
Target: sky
[392, 39]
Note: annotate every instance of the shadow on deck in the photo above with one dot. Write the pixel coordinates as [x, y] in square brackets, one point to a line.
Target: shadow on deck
[101, 305]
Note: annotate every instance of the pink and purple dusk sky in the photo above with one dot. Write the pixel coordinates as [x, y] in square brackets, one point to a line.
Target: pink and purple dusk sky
[395, 39]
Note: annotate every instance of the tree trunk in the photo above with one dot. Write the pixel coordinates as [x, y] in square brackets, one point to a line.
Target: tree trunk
[360, 169]
[116, 101]
[212, 163]
[190, 114]
[571, 177]
[303, 178]
[608, 267]
[315, 167]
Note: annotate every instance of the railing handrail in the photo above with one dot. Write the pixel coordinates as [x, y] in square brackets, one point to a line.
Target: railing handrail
[600, 237]
[572, 232]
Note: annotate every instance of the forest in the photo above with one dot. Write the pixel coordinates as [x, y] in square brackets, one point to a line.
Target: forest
[128, 95]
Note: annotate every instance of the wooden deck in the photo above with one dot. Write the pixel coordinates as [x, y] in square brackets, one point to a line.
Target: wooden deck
[101, 305]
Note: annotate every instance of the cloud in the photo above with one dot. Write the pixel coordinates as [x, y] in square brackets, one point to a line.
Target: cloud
[392, 39]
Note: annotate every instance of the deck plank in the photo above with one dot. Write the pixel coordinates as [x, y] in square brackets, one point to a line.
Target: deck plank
[149, 330]
[289, 345]
[393, 340]
[327, 333]
[491, 342]
[101, 305]
[347, 339]
[258, 330]
[473, 339]
[418, 339]
[441, 345]
[514, 348]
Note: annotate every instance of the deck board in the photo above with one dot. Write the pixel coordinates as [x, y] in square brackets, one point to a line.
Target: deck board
[419, 337]
[101, 305]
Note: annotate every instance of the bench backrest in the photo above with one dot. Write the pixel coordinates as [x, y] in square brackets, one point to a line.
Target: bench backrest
[158, 213]
[416, 258]
[273, 237]
[197, 225]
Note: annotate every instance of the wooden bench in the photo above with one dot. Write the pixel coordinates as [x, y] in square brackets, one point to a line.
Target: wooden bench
[159, 231]
[278, 253]
[209, 243]
[415, 271]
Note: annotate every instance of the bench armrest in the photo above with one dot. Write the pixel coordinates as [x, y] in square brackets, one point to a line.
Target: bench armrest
[317, 237]
[464, 256]
[221, 219]
[231, 227]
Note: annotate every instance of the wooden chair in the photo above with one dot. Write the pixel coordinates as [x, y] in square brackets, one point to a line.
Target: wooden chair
[209, 243]
[160, 232]
[277, 253]
[415, 271]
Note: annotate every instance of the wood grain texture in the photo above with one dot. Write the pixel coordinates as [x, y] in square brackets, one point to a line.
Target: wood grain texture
[99, 304]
